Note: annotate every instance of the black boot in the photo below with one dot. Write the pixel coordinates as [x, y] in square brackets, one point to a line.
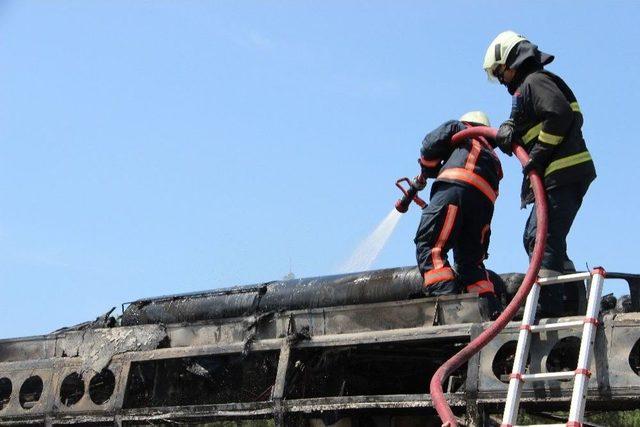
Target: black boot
[574, 296]
[551, 300]
[494, 305]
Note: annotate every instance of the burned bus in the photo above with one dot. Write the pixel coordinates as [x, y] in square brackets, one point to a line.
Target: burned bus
[347, 350]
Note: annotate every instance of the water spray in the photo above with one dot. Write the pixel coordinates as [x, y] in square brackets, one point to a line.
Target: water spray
[368, 250]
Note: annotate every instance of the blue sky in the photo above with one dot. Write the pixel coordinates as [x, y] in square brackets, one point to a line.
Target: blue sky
[155, 147]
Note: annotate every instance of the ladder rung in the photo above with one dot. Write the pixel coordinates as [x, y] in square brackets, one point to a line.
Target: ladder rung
[545, 376]
[557, 326]
[564, 278]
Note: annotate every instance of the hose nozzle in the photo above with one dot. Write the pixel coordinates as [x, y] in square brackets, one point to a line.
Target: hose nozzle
[409, 195]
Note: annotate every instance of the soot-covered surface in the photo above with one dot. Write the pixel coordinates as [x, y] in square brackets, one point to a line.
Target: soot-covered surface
[201, 380]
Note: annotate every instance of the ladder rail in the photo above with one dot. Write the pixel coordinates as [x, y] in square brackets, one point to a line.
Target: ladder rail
[581, 382]
[520, 360]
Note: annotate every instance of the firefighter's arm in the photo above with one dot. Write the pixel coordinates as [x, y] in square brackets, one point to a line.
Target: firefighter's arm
[436, 147]
[550, 104]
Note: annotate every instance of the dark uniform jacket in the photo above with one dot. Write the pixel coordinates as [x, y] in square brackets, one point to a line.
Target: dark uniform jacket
[471, 163]
[548, 121]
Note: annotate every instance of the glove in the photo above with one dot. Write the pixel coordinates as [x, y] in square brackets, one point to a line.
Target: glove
[532, 165]
[419, 182]
[504, 137]
[428, 171]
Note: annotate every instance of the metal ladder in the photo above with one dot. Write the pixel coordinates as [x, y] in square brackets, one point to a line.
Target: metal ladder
[581, 374]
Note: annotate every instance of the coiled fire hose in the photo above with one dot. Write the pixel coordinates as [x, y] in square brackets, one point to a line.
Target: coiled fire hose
[437, 395]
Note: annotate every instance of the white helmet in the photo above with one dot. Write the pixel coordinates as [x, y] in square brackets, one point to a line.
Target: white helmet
[476, 117]
[499, 50]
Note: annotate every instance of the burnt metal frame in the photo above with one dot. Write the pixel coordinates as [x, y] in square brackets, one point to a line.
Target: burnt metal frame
[609, 389]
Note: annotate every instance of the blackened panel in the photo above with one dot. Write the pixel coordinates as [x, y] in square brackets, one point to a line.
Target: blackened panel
[377, 369]
[229, 378]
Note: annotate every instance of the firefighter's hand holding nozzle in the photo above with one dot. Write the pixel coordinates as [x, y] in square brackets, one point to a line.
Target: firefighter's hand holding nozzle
[411, 194]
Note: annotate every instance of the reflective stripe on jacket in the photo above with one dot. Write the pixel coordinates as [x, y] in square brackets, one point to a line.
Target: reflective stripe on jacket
[549, 123]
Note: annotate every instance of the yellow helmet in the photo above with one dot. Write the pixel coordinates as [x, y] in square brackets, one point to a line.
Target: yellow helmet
[476, 117]
[499, 50]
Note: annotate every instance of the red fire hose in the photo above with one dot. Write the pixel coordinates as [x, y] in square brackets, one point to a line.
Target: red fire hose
[437, 395]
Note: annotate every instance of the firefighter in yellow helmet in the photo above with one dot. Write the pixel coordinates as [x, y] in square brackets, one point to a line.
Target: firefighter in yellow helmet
[546, 120]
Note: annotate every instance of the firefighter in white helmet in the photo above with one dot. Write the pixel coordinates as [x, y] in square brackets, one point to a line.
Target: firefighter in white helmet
[546, 120]
[475, 118]
[460, 210]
